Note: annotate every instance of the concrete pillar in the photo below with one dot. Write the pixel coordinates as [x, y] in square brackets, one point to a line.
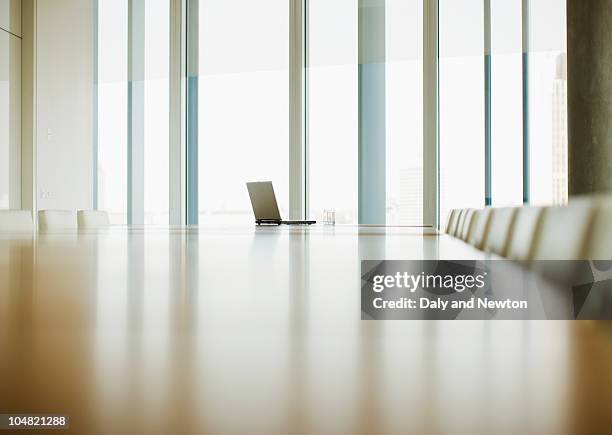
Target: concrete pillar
[589, 66]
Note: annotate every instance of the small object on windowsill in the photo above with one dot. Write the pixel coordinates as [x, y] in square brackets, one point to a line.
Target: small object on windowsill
[329, 217]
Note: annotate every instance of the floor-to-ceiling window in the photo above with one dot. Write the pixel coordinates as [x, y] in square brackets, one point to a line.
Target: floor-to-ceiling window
[332, 108]
[112, 40]
[548, 102]
[404, 111]
[243, 105]
[462, 117]
[506, 103]
[156, 111]
[463, 107]
[150, 175]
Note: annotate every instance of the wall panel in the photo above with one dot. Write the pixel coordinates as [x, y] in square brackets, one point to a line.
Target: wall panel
[64, 104]
[10, 120]
[10, 16]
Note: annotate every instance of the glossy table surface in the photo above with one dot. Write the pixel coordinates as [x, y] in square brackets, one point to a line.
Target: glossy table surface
[233, 330]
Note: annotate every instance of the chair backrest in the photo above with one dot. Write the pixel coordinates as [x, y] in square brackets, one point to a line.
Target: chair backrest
[563, 233]
[468, 224]
[452, 217]
[57, 220]
[500, 230]
[480, 228]
[600, 242]
[459, 223]
[16, 221]
[526, 224]
[452, 225]
[92, 219]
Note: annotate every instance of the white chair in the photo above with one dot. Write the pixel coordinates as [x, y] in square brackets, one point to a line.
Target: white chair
[600, 240]
[57, 220]
[16, 221]
[563, 233]
[452, 225]
[500, 229]
[526, 225]
[452, 217]
[92, 219]
[480, 230]
[459, 223]
[468, 223]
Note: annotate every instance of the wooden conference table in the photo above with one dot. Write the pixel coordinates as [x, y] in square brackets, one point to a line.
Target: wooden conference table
[230, 330]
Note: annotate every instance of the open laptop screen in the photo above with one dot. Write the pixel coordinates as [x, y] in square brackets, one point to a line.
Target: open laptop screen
[263, 200]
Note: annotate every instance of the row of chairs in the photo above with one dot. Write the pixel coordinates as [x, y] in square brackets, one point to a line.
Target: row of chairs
[580, 230]
[53, 220]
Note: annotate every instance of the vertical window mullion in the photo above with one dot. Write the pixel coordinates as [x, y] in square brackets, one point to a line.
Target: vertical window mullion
[431, 115]
[297, 110]
[525, 58]
[487, 102]
[192, 133]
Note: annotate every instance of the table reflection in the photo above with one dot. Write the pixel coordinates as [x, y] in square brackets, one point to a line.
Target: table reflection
[258, 331]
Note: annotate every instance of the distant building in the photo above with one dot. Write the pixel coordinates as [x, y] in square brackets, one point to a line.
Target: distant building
[410, 207]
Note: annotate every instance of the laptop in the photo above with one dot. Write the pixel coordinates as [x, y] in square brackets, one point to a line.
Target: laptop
[265, 207]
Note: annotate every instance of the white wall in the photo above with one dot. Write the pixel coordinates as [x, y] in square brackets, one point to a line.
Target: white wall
[10, 16]
[28, 105]
[10, 120]
[64, 104]
[10, 104]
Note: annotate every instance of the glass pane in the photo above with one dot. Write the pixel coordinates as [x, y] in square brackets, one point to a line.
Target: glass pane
[548, 102]
[112, 108]
[404, 99]
[462, 173]
[332, 108]
[157, 103]
[506, 103]
[243, 105]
